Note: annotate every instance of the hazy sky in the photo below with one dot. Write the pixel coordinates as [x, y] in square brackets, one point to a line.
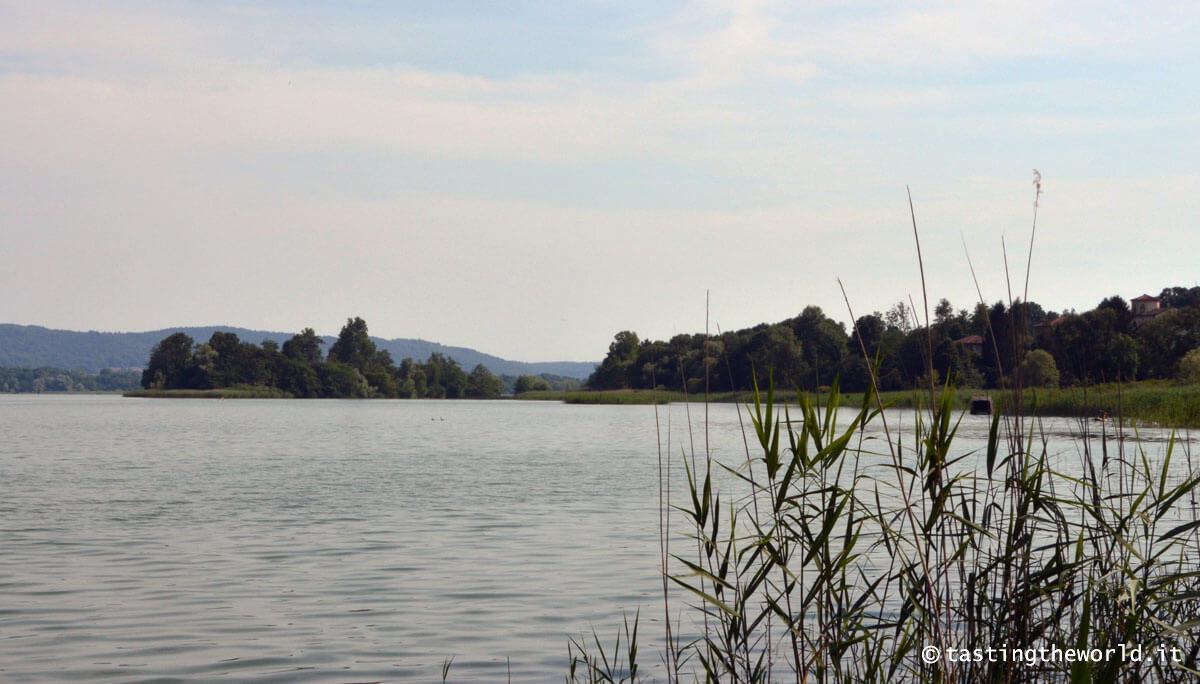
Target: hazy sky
[528, 180]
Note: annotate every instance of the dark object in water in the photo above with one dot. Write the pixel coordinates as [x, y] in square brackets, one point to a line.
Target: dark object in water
[981, 406]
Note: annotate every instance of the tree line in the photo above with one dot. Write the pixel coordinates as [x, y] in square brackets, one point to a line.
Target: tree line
[982, 347]
[352, 368]
[36, 380]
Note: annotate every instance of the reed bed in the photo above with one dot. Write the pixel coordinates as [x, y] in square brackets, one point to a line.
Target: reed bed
[1159, 402]
[1008, 549]
[841, 547]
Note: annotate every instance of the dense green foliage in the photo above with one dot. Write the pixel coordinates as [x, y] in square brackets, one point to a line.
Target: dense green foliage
[1189, 368]
[530, 383]
[59, 380]
[354, 367]
[541, 383]
[1106, 344]
[1039, 370]
[483, 384]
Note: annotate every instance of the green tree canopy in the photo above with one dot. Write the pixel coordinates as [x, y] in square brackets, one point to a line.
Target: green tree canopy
[304, 347]
[483, 384]
[169, 362]
[341, 381]
[1189, 368]
[531, 383]
[353, 346]
[1038, 369]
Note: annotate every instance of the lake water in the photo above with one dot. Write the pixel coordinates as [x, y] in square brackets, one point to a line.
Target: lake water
[328, 540]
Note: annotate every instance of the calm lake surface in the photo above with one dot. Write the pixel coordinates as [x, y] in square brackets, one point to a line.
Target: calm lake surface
[343, 541]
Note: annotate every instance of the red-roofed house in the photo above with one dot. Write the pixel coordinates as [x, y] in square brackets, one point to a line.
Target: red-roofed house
[972, 343]
[1145, 308]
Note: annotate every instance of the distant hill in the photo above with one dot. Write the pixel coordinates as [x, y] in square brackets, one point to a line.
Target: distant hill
[33, 346]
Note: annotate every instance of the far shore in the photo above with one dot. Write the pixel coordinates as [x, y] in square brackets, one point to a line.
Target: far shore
[1153, 401]
[222, 393]
[1157, 402]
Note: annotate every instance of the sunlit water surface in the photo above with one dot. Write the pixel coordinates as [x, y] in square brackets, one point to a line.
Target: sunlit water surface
[340, 541]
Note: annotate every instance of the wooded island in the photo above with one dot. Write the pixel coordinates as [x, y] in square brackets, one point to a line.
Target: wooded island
[352, 368]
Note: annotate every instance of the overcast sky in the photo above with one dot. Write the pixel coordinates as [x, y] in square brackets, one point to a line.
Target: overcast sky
[528, 180]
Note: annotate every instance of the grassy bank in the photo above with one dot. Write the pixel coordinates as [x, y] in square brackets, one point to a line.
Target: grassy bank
[244, 392]
[1154, 401]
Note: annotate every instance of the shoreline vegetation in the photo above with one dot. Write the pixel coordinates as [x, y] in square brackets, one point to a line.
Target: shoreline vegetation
[1150, 401]
[45, 380]
[1157, 338]
[354, 368]
[1014, 552]
[245, 392]
[824, 553]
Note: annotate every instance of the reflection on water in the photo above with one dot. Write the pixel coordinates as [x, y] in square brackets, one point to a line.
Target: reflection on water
[331, 541]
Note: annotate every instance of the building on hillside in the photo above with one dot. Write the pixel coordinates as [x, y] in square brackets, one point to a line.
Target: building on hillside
[972, 343]
[1050, 323]
[1145, 308]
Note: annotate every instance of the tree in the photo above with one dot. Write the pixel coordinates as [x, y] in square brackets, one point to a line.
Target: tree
[202, 372]
[531, 383]
[298, 378]
[304, 347]
[1089, 347]
[822, 343]
[410, 380]
[353, 346]
[870, 330]
[900, 316]
[1180, 297]
[1038, 369]
[1189, 368]
[1120, 307]
[380, 373]
[614, 371]
[454, 380]
[943, 312]
[999, 335]
[855, 374]
[1166, 338]
[772, 351]
[444, 378]
[169, 362]
[341, 381]
[483, 384]
[234, 362]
